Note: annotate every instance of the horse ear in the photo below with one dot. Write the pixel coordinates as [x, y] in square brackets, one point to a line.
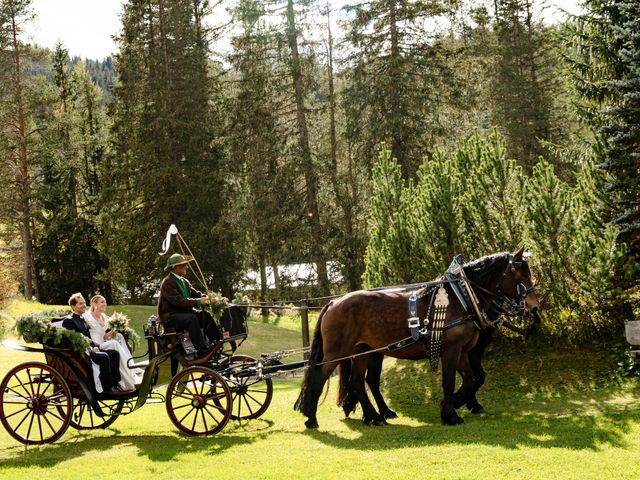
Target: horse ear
[518, 255]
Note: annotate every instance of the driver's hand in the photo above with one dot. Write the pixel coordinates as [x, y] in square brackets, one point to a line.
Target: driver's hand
[204, 300]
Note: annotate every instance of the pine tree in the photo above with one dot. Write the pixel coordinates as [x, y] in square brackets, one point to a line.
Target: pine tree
[493, 195]
[523, 86]
[603, 53]
[394, 80]
[388, 237]
[256, 137]
[67, 187]
[167, 120]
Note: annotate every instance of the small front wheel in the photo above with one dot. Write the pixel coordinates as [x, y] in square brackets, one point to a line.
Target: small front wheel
[84, 417]
[35, 403]
[250, 392]
[198, 401]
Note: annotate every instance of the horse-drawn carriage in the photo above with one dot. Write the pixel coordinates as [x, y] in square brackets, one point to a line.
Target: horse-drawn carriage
[38, 401]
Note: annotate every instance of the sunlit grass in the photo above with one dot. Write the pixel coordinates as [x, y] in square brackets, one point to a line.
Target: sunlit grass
[553, 413]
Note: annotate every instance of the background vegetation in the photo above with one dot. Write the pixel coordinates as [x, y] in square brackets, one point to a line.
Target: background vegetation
[415, 131]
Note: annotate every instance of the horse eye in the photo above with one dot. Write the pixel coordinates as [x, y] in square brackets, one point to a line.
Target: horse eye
[521, 289]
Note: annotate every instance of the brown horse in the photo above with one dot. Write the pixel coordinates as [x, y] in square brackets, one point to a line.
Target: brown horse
[367, 321]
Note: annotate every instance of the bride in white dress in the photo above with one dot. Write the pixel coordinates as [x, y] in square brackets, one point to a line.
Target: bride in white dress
[97, 322]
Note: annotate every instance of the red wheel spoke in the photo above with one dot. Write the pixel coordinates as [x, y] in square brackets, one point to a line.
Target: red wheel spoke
[12, 389]
[182, 395]
[247, 403]
[187, 414]
[56, 415]
[21, 402]
[17, 411]
[30, 425]
[213, 417]
[204, 420]
[48, 422]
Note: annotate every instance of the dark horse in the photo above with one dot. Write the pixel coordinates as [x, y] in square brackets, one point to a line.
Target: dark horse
[368, 321]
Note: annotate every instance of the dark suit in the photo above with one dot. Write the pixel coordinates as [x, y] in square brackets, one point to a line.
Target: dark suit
[107, 360]
[177, 311]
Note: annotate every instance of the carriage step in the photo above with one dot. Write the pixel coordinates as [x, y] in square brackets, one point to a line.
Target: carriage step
[635, 354]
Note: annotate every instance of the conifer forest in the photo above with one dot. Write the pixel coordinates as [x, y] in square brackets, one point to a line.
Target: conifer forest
[374, 139]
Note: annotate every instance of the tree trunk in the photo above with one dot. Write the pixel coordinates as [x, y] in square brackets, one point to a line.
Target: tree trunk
[311, 181]
[22, 175]
[396, 141]
[343, 199]
[264, 286]
[276, 282]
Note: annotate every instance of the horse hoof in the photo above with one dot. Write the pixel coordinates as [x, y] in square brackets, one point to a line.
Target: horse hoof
[478, 409]
[376, 422]
[311, 423]
[389, 414]
[453, 421]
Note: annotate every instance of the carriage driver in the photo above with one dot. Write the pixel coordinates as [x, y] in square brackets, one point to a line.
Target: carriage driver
[178, 302]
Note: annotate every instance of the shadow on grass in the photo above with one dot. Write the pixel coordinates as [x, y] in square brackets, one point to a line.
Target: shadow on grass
[504, 430]
[157, 448]
[546, 398]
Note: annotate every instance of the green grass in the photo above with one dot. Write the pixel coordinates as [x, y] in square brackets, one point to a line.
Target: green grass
[553, 412]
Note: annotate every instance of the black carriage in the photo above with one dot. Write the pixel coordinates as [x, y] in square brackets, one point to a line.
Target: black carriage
[38, 401]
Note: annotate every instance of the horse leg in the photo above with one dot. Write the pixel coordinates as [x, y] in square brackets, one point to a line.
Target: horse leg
[475, 362]
[370, 416]
[448, 413]
[468, 383]
[374, 371]
[313, 384]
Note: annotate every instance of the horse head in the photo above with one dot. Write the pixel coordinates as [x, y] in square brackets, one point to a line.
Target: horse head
[516, 286]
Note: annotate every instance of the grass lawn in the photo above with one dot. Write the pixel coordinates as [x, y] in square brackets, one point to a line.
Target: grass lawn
[552, 413]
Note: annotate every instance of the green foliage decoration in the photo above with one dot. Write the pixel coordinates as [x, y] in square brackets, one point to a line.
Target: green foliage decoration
[36, 327]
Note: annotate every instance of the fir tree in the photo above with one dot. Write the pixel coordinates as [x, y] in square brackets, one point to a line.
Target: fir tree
[603, 52]
[167, 120]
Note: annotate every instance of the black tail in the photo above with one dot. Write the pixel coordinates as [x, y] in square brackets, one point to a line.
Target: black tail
[315, 357]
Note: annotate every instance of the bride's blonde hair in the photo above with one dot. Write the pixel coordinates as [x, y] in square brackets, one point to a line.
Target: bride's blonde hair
[94, 300]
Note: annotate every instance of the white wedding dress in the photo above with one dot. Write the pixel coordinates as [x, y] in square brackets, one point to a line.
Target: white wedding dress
[129, 378]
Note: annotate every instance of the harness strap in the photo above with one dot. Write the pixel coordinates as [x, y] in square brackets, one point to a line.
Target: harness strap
[405, 342]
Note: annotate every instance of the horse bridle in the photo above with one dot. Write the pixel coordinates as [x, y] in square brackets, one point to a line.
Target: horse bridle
[503, 304]
[513, 307]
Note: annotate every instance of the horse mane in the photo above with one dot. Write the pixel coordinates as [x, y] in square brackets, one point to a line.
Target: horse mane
[485, 269]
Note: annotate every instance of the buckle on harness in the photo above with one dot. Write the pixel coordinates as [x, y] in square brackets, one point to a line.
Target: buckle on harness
[414, 322]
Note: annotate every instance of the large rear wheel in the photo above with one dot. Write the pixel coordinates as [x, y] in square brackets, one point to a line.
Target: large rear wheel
[35, 403]
[198, 401]
[250, 393]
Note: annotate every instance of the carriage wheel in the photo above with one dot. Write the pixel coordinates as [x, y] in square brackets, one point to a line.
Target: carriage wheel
[35, 403]
[84, 417]
[251, 394]
[198, 401]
